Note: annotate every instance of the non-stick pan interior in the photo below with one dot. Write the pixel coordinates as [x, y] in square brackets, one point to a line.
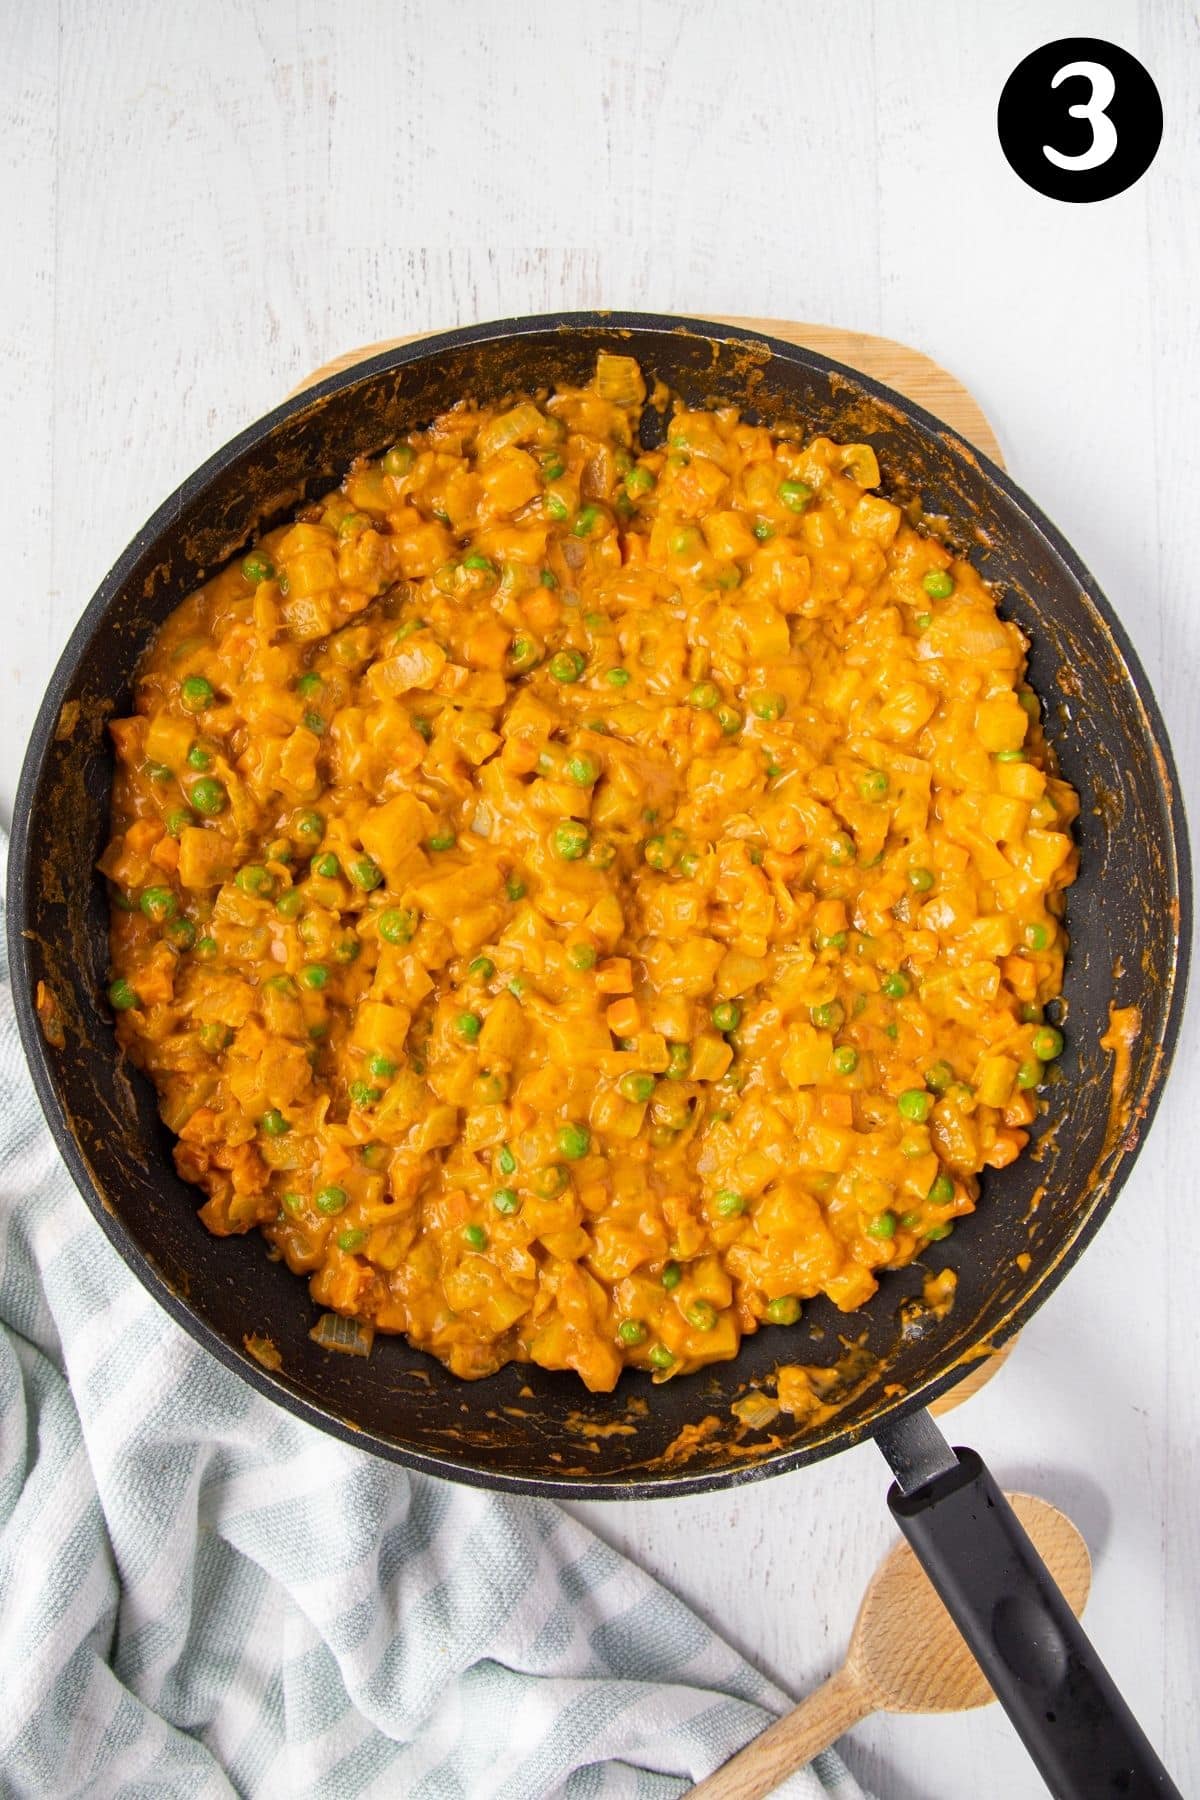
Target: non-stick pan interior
[1127, 918]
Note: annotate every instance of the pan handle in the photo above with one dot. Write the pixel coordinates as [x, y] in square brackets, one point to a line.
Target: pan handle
[1044, 1672]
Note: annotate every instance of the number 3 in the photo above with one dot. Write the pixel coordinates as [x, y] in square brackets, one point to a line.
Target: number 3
[1104, 132]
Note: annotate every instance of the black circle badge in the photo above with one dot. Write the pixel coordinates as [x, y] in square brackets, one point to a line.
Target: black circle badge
[1080, 119]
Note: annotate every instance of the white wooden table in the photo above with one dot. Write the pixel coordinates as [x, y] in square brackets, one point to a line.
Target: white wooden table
[202, 203]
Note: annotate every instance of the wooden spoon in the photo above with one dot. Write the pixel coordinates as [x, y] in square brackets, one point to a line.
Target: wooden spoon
[905, 1656]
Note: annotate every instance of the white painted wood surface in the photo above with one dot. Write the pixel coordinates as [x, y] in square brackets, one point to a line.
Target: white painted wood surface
[203, 202]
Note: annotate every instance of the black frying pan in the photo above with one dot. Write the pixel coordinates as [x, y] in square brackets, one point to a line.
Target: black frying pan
[528, 1430]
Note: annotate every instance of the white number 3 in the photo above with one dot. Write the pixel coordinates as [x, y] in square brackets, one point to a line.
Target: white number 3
[1104, 132]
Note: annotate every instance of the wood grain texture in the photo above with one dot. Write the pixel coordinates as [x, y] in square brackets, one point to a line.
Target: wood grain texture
[899, 366]
[205, 202]
[905, 1656]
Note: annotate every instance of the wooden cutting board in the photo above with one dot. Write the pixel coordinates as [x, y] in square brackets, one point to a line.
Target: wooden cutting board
[910, 371]
[898, 366]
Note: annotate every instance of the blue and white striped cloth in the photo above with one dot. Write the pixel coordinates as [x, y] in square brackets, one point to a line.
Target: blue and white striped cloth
[200, 1595]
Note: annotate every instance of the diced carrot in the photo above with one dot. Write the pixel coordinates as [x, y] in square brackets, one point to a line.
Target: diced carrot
[615, 975]
[623, 1017]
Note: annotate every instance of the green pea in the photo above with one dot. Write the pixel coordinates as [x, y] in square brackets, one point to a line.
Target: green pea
[726, 1015]
[942, 1191]
[443, 840]
[506, 1200]
[764, 531]
[657, 852]
[914, 1105]
[795, 495]
[585, 520]
[331, 1199]
[290, 903]
[895, 985]
[829, 1016]
[506, 1162]
[1029, 702]
[631, 1331]
[351, 1240]
[177, 821]
[784, 1311]
[256, 567]
[552, 465]
[314, 722]
[215, 1038]
[672, 1275]
[639, 481]
[1009, 756]
[181, 933]
[314, 976]
[365, 873]
[730, 1205]
[309, 686]
[1047, 1043]
[840, 848]
[701, 1314]
[660, 1357]
[159, 904]
[637, 1088]
[209, 797]
[399, 459]
[207, 948]
[679, 1061]
[938, 1076]
[468, 1025]
[689, 864]
[549, 1181]
[582, 770]
[482, 968]
[1037, 937]
[883, 1225]
[196, 693]
[423, 729]
[704, 696]
[602, 855]
[397, 924]
[837, 940]
[121, 996]
[514, 888]
[938, 584]
[845, 1059]
[523, 654]
[574, 1141]
[570, 840]
[363, 1094]
[159, 772]
[618, 678]
[1030, 1074]
[873, 785]
[274, 1123]
[482, 565]
[768, 705]
[935, 1233]
[253, 879]
[920, 880]
[729, 719]
[923, 621]
[581, 957]
[311, 825]
[567, 666]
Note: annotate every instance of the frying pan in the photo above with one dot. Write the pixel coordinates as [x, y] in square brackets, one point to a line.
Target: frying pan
[535, 1432]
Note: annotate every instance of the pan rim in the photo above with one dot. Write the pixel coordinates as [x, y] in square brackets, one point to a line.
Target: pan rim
[142, 1264]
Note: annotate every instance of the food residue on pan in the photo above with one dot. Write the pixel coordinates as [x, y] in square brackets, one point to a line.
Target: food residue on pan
[264, 1350]
[938, 1292]
[1124, 1024]
[50, 1016]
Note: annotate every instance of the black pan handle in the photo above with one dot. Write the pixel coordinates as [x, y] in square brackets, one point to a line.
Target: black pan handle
[1085, 1741]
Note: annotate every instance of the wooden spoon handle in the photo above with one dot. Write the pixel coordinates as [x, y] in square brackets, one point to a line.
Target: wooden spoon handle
[790, 1743]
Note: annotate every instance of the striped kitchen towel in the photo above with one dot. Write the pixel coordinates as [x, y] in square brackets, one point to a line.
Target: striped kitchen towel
[200, 1595]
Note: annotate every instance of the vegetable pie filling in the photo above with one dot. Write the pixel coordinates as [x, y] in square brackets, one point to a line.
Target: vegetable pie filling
[581, 902]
